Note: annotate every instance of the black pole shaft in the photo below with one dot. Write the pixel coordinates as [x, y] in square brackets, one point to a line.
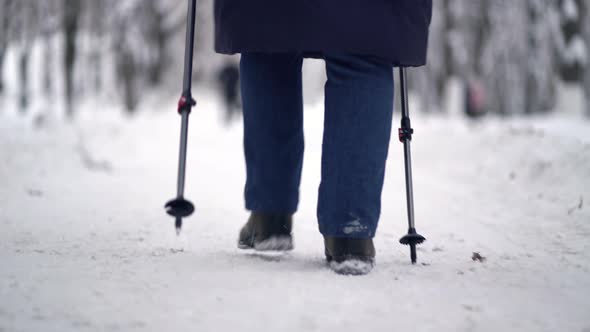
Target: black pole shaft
[186, 94]
[189, 46]
[405, 135]
[182, 155]
[407, 154]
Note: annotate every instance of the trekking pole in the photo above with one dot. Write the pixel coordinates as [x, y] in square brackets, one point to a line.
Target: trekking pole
[405, 136]
[180, 207]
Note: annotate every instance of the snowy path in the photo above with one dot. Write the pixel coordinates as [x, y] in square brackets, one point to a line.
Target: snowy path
[85, 244]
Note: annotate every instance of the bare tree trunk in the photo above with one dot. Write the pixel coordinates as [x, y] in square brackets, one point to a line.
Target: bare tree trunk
[96, 24]
[95, 62]
[48, 14]
[47, 70]
[571, 68]
[586, 35]
[70, 24]
[127, 69]
[126, 66]
[2, 51]
[504, 57]
[430, 79]
[6, 19]
[466, 32]
[26, 29]
[541, 70]
[23, 69]
[3, 45]
[156, 37]
[4, 16]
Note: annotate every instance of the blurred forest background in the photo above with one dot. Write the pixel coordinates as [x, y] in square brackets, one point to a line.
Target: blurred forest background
[509, 57]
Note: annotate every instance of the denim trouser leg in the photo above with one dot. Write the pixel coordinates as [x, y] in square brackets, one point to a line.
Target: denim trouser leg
[273, 130]
[357, 128]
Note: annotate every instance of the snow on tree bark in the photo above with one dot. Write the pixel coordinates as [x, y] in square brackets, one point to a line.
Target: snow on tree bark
[509, 47]
[140, 38]
[541, 71]
[516, 49]
[466, 25]
[430, 79]
[5, 5]
[465, 36]
[572, 48]
[72, 10]
[24, 29]
[586, 35]
[49, 18]
[504, 59]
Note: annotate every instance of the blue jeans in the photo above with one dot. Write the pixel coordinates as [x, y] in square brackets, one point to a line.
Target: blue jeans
[357, 128]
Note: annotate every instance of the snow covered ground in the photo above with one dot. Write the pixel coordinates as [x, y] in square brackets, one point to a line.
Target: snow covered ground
[85, 244]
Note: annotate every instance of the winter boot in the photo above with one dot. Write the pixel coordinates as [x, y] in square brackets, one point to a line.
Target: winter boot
[267, 231]
[349, 256]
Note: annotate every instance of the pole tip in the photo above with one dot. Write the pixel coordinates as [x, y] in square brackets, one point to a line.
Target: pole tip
[178, 225]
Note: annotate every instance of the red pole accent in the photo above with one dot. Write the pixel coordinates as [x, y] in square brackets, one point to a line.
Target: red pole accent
[181, 104]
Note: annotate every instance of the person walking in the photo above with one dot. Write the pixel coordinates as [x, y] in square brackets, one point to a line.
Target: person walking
[361, 41]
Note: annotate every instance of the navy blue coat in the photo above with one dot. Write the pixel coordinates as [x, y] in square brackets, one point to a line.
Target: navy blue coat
[394, 30]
